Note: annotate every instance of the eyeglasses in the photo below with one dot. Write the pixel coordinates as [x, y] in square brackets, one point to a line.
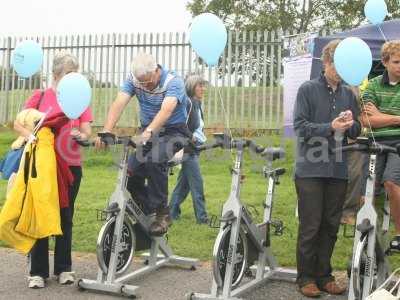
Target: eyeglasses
[137, 82]
[141, 85]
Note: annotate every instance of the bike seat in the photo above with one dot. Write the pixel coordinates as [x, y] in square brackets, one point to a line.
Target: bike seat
[365, 226]
[273, 153]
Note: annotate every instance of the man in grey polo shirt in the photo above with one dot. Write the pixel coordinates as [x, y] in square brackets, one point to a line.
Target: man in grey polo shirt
[162, 100]
[325, 114]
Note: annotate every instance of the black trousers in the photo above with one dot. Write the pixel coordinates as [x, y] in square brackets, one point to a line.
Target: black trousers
[320, 209]
[148, 168]
[39, 255]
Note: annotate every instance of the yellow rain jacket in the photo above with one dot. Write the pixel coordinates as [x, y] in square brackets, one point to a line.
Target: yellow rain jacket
[32, 209]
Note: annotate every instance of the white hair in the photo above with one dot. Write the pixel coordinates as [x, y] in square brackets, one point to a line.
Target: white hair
[64, 62]
[143, 64]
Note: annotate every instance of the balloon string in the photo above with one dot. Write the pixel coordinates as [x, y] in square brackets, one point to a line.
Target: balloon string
[380, 29]
[362, 102]
[369, 123]
[226, 119]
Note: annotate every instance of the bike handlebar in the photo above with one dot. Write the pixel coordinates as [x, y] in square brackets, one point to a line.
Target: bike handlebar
[370, 147]
[256, 148]
[207, 146]
[229, 144]
[83, 143]
[222, 141]
[108, 139]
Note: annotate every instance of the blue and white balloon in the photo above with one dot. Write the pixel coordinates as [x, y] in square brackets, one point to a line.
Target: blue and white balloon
[74, 94]
[208, 37]
[376, 11]
[353, 60]
[27, 58]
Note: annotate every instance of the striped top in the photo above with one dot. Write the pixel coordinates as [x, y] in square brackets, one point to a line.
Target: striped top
[170, 85]
[386, 97]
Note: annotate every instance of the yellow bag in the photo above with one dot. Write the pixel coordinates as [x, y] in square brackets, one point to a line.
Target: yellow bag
[32, 208]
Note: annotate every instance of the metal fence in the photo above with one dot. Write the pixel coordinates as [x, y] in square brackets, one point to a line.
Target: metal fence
[244, 89]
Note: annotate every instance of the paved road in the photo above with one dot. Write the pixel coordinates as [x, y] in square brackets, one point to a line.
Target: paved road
[165, 284]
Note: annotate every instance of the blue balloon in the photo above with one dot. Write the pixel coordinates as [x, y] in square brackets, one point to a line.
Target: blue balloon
[27, 58]
[73, 94]
[376, 11]
[353, 60]
[208, 37]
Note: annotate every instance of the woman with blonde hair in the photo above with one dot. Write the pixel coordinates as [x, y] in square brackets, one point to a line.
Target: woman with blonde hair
[69, 178]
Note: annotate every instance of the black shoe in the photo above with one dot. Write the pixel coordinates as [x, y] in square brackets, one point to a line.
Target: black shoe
[160, 226]
[395, 244]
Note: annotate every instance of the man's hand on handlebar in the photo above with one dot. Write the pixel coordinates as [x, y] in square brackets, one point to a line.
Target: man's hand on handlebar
[99, 144]
[103, 139]
[144, 137]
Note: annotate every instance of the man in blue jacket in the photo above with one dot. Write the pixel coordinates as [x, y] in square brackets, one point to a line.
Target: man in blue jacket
[326, 113]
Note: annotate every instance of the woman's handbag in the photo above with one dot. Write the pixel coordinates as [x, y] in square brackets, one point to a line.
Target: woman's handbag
[10, 164]
[383, 293]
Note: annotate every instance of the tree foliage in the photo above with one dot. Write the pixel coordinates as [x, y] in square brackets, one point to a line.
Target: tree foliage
[298, 15]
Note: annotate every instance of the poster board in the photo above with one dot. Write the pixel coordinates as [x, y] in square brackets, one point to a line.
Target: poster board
[296, 71]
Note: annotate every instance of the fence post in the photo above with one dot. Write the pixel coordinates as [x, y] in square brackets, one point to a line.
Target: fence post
[7, 85]
[278, 77]
[228, 89]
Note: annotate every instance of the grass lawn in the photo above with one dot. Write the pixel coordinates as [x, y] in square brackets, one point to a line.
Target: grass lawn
[186, 237]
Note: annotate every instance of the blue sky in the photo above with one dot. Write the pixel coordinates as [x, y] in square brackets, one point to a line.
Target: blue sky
[39, 17]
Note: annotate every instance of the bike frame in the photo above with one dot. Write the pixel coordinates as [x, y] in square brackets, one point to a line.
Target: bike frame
[235, 214]
[372, 239]
[160, 253]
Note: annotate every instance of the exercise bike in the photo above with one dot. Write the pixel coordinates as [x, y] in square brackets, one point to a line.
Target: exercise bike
[241, 243]
[369, 266]
[126, 230]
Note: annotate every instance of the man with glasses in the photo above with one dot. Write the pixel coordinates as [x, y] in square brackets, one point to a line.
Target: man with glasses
[162, 101]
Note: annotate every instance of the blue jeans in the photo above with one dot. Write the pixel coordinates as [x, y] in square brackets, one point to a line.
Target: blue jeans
[189, 180]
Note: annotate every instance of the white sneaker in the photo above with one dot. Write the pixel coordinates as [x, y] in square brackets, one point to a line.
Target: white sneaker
[35, 282]
[66, 278]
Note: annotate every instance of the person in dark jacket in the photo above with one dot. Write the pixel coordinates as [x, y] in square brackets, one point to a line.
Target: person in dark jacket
[189, 178]
[326, 114]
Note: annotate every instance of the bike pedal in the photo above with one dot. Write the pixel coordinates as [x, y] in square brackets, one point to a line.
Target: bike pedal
[248, 273]
[214, 222]
[278, 226]
[101, 215]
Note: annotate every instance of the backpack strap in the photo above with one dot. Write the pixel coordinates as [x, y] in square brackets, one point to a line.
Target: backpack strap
[40, 100]
[167, 81]
[190, 109]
